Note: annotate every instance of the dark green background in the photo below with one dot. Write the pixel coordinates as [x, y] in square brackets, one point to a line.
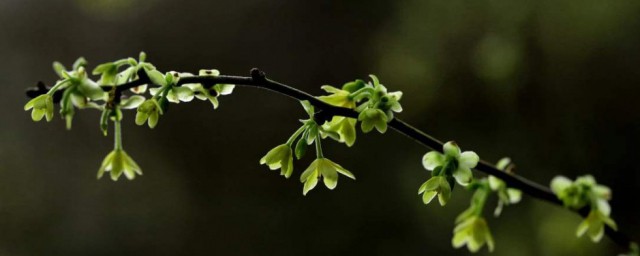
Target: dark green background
[552, 84]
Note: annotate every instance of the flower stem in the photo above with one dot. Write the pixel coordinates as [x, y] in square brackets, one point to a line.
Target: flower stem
[295, 135]
[117, 135]
[57, 86]
[319, 147]
[484, 190]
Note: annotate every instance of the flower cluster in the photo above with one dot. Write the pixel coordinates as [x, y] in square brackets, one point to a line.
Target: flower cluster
[281, 157]
[375, 105]
[472, 228]
[78, 90]
[583, 192]
[447, 167]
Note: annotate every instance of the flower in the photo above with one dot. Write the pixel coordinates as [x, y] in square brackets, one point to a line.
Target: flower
[211, 94]
[345, 127]
[149, 110]
[473, 232]
[338, 97]
[280, 157]
[506, 196]
[322, 167]
[582, 192]
[594, 224]
[437, 185]
[452, 163]
[379, 107]
[42, 107]
[373, 117]
[118, 162]
[576, 194]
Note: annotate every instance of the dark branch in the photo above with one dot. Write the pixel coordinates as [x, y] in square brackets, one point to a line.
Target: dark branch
[258, 79]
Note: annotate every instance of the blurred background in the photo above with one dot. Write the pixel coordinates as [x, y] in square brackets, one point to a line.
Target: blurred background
[552, 84]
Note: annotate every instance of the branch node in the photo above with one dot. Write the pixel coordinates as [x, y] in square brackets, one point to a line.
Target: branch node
[258, 75]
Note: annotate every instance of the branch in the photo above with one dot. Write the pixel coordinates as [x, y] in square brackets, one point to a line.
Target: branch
[258, 79]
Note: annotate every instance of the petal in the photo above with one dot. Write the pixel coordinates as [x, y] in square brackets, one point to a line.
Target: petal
[469, 159]
[428, 196]
[503, 163]
[515, 195]
[343, 171]
[560, 183]
[37, 114]
[582, 228]
[310, 183]
[154, 91]
[463, 175]
[495, 183]
[309, 171]
[224, 89]
[459, 239]
[329, 174]
[156, 78]
[141, 117]
[603, 207]
[30, 104]
[132, 102]
[348, 134]
[209, 72]
[214, 102]
[432, 160]
[287, 166]
[366, 125]
[153, 119]
[445, 193]
[602, 191]
[184, 94]
[308, 107]
[433, 183]
[451, 149]
[329, 89]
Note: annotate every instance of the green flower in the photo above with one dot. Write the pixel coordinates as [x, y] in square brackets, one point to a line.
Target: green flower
[379, 106]
[437, 185]
[214, 92]
[373, 117]
[338, 97]
[452, 163]
[149, 110]
[582, 192]
[42, 106]
[506, 196]
[594, 224]
[118, 162]
[473, 232]
[280, 157]
[322, 167]
[344, 127]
